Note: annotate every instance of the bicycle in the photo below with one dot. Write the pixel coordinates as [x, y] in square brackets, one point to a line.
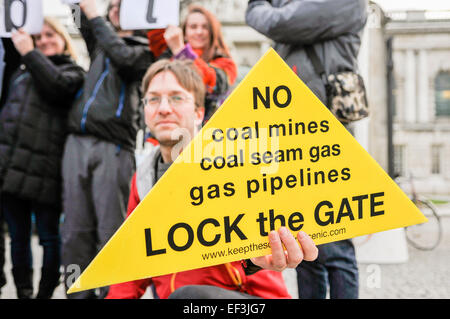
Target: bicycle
[425, 236]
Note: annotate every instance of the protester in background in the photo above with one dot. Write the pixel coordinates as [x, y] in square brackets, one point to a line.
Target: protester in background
[333, 29]
[199, 39]
[32, 134]
[98, 160]
[174, 100]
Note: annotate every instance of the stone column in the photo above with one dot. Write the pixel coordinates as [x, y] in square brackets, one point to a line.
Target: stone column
[409, 107]
[375, 138]
[423, 112]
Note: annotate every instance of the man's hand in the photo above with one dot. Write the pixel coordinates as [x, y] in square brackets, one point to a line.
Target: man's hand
[294, 254]
[22, 41]
[89, 8]
[174, 39]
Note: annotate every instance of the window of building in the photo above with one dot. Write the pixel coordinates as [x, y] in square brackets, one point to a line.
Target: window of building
[442, 93]
[399, 160]
[436, 151]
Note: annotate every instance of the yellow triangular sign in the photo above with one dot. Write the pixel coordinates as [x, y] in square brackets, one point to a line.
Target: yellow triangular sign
[273, 154]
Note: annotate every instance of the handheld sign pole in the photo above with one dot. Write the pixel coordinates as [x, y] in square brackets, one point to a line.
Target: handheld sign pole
[273, 155]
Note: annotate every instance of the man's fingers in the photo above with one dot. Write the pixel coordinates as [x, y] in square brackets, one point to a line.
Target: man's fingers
[278, 255]
[310, 251]
[286, 251]
[294, 253]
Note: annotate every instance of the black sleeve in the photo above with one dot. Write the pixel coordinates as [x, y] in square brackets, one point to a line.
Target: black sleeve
[12, 63]
[54, 81]
[131, 61]
[86, 32]
[249, 267]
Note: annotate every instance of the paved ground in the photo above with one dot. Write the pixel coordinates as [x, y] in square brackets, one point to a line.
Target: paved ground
[426, 274]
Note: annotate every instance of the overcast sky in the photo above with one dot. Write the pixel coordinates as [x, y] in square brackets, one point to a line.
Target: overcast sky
[389, 5]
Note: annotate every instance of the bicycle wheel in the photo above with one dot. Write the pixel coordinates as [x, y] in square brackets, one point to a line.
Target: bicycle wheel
[428, 235]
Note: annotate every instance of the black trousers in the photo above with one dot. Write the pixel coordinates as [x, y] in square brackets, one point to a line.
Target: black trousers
[96, 186]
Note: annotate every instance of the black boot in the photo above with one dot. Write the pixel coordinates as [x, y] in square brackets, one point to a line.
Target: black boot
[49, 281]
[23, 279]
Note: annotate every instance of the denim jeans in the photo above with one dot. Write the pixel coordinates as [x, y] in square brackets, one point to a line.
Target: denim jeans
[17, 214]
[336, 266]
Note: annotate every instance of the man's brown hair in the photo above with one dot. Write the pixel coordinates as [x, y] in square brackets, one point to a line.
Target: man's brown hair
[186, 73]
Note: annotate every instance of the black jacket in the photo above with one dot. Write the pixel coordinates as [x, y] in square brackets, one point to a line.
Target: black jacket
[33, 127]
[109, 105]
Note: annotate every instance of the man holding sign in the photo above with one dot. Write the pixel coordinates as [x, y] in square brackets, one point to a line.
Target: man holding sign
[174, 102]
[99, 155]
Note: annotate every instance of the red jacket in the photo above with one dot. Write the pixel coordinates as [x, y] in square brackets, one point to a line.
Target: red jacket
[264, 283]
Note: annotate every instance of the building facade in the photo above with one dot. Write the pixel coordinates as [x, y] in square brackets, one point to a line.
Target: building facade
[421, 55]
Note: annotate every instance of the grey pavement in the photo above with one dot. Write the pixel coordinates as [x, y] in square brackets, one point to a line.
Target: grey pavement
[426, 274]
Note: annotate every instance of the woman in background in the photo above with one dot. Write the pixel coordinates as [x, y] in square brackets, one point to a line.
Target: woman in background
[200, 39]
[32, 136]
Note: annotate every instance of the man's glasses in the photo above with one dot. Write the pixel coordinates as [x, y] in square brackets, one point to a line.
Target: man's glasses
[174, 100]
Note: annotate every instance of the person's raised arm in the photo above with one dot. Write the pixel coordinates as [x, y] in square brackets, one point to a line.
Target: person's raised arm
[12, 61]
[81, 21]
[218, 74]
[56, 82]
[131, 61]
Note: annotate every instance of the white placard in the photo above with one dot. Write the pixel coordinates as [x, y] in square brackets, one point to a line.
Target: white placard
[148, 14]
[26, 14]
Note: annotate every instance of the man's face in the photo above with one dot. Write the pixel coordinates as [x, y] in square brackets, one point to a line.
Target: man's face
[176, 114]
[114, 13]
